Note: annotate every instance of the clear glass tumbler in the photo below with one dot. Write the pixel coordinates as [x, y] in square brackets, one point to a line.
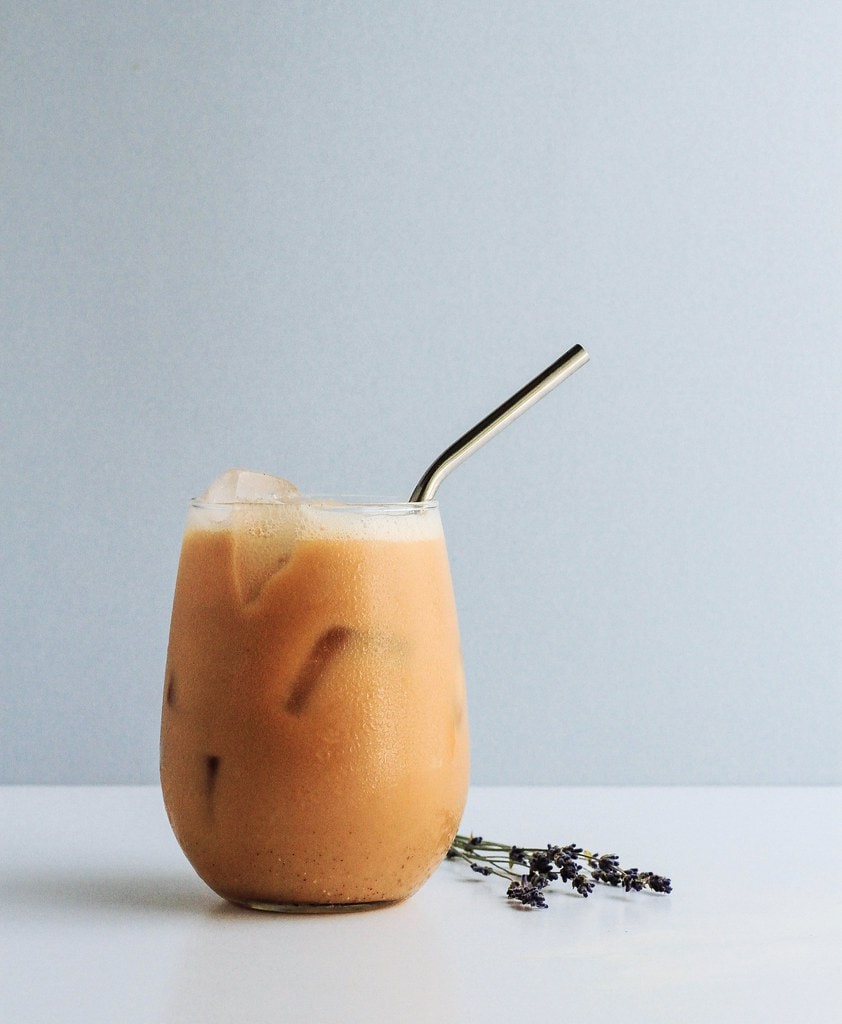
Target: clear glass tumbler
[314, 739]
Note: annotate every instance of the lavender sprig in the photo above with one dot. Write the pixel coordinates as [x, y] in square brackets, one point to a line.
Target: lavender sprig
[581, 868]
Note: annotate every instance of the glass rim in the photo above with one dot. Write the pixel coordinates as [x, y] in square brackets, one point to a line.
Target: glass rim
[326, 503]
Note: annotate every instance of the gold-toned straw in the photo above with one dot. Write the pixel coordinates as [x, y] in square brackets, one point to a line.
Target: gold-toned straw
[494, 422]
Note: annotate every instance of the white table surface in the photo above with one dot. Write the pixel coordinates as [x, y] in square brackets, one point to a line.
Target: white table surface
[102, 919]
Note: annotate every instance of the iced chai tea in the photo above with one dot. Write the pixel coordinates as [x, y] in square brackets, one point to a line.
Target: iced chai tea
[314, 742]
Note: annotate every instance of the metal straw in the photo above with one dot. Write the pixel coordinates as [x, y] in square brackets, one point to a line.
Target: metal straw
[494, 422]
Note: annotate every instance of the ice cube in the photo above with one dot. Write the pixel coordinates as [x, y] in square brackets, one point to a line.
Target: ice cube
[264, 535]
[246, 485]
[326, 650]
[366, 659]
[263, 518]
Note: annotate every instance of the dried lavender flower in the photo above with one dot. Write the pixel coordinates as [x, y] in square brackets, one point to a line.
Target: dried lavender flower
[527, 893]
[573, 864]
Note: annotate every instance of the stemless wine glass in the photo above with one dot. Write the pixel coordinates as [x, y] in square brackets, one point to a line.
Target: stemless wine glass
[314, 740]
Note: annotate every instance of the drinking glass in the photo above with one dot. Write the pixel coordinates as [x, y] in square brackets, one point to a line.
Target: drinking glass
[314, 740]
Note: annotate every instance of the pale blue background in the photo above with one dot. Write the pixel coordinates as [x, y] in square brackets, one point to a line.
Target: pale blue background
[322, 239]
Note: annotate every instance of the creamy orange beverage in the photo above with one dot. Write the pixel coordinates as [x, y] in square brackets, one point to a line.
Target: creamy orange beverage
[314, 742]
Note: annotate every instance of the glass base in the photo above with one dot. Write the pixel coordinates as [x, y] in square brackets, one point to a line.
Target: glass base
[313, 908]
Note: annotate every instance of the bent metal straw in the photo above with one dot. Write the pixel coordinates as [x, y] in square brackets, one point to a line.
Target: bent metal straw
[494, 422]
